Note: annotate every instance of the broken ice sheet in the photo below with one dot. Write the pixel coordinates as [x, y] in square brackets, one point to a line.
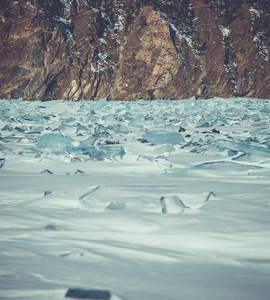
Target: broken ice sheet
[192, 106]
[5, 150]
[260, 131]
[95, 154]
[80, 172]
[136, 123]
[22, 128]
[249, 153]
[7, 128]
[130, 195]
[36, 129]
[99, 129]
[159, 138]
[51, 140]
[81, 128]
[47, 172]
[223, 166]
[199, 140]
[109, 152]
[218, 168]
[115, 151]
[99, 104]
[172, 205]
[163, 149]
[116, 205]
[2, 162]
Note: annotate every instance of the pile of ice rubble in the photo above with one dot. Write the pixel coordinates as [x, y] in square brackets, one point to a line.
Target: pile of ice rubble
[237, 130]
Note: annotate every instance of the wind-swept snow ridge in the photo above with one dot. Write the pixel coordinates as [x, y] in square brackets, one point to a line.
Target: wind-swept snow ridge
[146, 200]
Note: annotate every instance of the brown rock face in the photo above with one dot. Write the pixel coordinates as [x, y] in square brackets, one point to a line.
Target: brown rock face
[134, 49]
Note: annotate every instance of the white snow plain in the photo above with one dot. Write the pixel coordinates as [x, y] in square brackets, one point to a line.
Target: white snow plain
[80, 199]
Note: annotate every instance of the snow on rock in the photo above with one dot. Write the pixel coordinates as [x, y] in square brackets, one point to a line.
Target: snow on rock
[225, 31]
[133, 49]
[254, 11]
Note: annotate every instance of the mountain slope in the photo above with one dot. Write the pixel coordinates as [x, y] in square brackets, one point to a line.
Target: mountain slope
[86, 49]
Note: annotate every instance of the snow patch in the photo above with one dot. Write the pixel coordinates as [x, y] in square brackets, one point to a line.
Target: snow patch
[225, 31]
[255, 12]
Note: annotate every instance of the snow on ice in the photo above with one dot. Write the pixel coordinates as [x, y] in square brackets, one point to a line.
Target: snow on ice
[135, 200]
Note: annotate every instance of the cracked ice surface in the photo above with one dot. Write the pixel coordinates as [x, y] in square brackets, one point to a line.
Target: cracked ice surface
[80, 196]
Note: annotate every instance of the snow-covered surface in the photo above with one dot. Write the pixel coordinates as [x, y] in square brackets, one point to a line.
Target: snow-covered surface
[255, 11]
[225, 31]
[82, 192]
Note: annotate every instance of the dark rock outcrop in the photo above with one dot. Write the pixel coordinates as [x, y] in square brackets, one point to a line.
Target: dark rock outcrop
[134, 49]
[88, 294]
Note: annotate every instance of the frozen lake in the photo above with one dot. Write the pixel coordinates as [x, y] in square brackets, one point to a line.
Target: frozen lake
[150, 200]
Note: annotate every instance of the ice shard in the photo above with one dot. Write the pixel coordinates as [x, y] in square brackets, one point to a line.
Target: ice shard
[159, 138]
[2, 162]
[52, 141]
[99, 104]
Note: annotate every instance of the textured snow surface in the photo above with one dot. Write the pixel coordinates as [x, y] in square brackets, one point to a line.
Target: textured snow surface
[116, 196]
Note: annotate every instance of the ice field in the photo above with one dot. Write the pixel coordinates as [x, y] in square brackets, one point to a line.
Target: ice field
[150, 200]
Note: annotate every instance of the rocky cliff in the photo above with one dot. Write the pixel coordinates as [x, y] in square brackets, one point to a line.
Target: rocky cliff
[134, 49]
